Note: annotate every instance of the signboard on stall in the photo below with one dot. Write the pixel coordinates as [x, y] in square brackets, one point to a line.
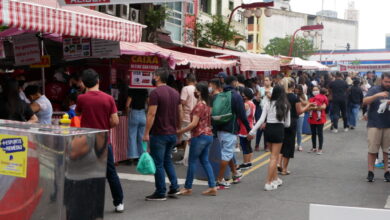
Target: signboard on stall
[105, 48]
[26, 49]
[76, 47]
[45, 62]
[141, 71]
[13, 155]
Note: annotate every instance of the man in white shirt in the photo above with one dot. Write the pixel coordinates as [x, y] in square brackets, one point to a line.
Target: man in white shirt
[40, 105]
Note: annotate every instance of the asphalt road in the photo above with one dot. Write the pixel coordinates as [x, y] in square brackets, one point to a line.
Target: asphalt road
[335, 178]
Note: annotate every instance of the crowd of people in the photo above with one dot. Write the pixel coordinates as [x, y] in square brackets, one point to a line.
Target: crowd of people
[228, 110]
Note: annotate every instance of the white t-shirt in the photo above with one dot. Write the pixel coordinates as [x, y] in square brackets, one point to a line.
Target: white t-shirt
[187, 95]
[46, 110]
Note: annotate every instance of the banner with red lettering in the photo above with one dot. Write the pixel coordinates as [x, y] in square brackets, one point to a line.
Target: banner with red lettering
[110, 2]
[26, 49]
[141, 71]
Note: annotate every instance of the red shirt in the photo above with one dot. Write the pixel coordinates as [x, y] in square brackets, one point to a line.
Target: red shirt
[319, 100]
[96, 108]
[204, 125]
[251, 118]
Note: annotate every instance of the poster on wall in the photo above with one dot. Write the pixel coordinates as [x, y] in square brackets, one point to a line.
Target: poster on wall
[13, 155]
[26, 49]
[141, 71]
[76, 47]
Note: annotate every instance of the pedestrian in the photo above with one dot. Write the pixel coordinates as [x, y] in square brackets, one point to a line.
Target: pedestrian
[365, 87]
[317, 126]
[244, 142]
[338, 90]
[265, 94]
[162, 121]
[135, 108]
[188, 102]
[227, 131]
[276, 115]
[355, 100]
[40, 105]
[378, 125]
[98, 111]
[303, 98]
[288, 147]
[201, 141]
[12, 107]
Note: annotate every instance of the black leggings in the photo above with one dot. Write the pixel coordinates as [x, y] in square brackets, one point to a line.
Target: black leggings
[317, 130]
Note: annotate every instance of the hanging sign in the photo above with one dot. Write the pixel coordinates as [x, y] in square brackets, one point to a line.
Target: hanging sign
[141, 71]
[45, 62]
[13, 155]
[76, 47]
[26, 49]
[105, 48]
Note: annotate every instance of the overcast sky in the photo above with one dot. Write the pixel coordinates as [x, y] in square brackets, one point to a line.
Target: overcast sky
[374, 20]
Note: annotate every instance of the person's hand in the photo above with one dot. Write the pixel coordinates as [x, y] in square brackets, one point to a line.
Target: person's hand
[250, 137]
[382, 95]
[146, 137]
[178, 132]
[262, 127]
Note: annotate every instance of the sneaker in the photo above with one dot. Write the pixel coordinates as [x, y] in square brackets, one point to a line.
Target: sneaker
[387, 176]
[278, 182]
[346, 129]
[380, 165]
[352, 128]
[270, 187]
[155, 197]
[319, 152]
[237, 178]
[335, 131]
[244, 166]
[370, 176]
[300, 148]
[223, 185]
[120, 208]
[313, 150]
[173, 193]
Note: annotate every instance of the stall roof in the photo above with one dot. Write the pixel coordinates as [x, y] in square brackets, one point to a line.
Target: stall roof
[248, 61]
[175, 57]
[299, 63]
[46, 16]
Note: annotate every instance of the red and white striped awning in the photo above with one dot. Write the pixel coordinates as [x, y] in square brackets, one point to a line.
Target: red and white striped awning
[46, 16]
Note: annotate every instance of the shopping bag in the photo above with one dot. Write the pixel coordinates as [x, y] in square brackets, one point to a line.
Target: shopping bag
[145, 163]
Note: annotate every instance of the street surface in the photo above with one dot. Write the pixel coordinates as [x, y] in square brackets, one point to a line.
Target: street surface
[335, 178]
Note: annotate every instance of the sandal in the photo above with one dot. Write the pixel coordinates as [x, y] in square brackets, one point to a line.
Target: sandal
[285, 173]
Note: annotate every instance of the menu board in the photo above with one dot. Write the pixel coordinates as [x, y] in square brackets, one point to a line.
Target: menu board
[76, 47]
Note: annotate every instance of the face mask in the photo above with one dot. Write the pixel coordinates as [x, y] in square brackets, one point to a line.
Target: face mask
[154, 82]
[211, 89]
[316, 93]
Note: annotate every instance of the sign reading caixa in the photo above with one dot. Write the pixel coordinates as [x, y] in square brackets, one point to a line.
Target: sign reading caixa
[144, 63]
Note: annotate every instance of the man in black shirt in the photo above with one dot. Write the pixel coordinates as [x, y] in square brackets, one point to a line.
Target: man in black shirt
[338, 89]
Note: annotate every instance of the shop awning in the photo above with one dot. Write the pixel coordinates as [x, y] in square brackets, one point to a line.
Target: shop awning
[298, 63]
[175, 57]
[46, 16]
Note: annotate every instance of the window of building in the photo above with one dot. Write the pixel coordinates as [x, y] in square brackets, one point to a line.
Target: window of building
[231, 5]
[239, 17]
[190, 8]
[174, 22]
[251, 20]
[250, 38]
[205, 6]
[219, 7]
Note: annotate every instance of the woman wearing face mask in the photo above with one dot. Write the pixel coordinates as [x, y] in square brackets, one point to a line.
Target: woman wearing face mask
[318, 118]
[303, 98]
[201, 141]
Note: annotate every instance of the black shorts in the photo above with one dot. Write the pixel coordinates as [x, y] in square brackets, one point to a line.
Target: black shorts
[274, 133]
[288, 146]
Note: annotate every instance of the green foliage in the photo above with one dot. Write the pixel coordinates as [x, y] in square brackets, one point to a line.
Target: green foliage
[214, 32]
[302, 48]
[3, 28]
[155, 17]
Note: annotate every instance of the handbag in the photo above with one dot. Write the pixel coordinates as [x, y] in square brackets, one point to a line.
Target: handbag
[146, 163]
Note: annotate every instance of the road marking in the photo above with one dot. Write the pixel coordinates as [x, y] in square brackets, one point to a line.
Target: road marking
[387, 206]
[150, 179]
[261, 157]
[256, 167]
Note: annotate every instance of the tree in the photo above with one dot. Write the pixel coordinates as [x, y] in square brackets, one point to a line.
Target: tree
[154, 19]
[302, 48]
[214, 32]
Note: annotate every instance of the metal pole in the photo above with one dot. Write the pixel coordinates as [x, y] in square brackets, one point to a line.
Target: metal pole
[228, 27]
[42, 68]
[292, 43]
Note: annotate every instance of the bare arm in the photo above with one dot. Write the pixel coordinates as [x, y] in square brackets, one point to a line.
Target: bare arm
[181, 115]
[128, 103]
[150, 121]
[33, 119]
[368, 100]
[114, 120]
[192, 125]
[35, 107]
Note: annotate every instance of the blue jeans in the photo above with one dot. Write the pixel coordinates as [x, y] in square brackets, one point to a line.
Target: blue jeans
[137, 123]
[161, 152]
[299, 130]
[113, 179]
[199, 149]
[353, 114]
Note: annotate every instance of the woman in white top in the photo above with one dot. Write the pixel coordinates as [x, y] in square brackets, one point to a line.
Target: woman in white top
[265, 95]
[276, 115]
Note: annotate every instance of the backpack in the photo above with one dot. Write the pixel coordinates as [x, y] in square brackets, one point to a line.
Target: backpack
[222, 108]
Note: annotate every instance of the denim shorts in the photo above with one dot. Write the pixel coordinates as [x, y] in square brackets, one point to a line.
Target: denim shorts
[228, 142]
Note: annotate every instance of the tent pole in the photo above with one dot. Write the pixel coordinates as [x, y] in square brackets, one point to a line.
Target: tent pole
[42, 68]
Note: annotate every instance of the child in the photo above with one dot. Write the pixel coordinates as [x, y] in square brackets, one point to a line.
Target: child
[244, 142]
[72, 105]
[319, 98]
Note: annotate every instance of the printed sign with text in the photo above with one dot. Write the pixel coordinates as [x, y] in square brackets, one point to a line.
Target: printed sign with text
[26, 49]
[13, 155]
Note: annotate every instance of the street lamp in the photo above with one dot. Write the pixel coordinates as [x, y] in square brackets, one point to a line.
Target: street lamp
[306, 33]
[248, 12]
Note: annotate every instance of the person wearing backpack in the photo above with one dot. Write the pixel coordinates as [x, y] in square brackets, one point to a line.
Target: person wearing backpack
[227, 108]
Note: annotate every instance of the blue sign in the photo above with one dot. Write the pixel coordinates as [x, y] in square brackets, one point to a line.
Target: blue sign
[12, 145]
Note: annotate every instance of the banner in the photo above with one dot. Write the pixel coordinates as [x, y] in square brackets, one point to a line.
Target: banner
[13, 155]
[105, 48]
[26, 49]
[141, 71]
[45, 62]
[76, 47]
